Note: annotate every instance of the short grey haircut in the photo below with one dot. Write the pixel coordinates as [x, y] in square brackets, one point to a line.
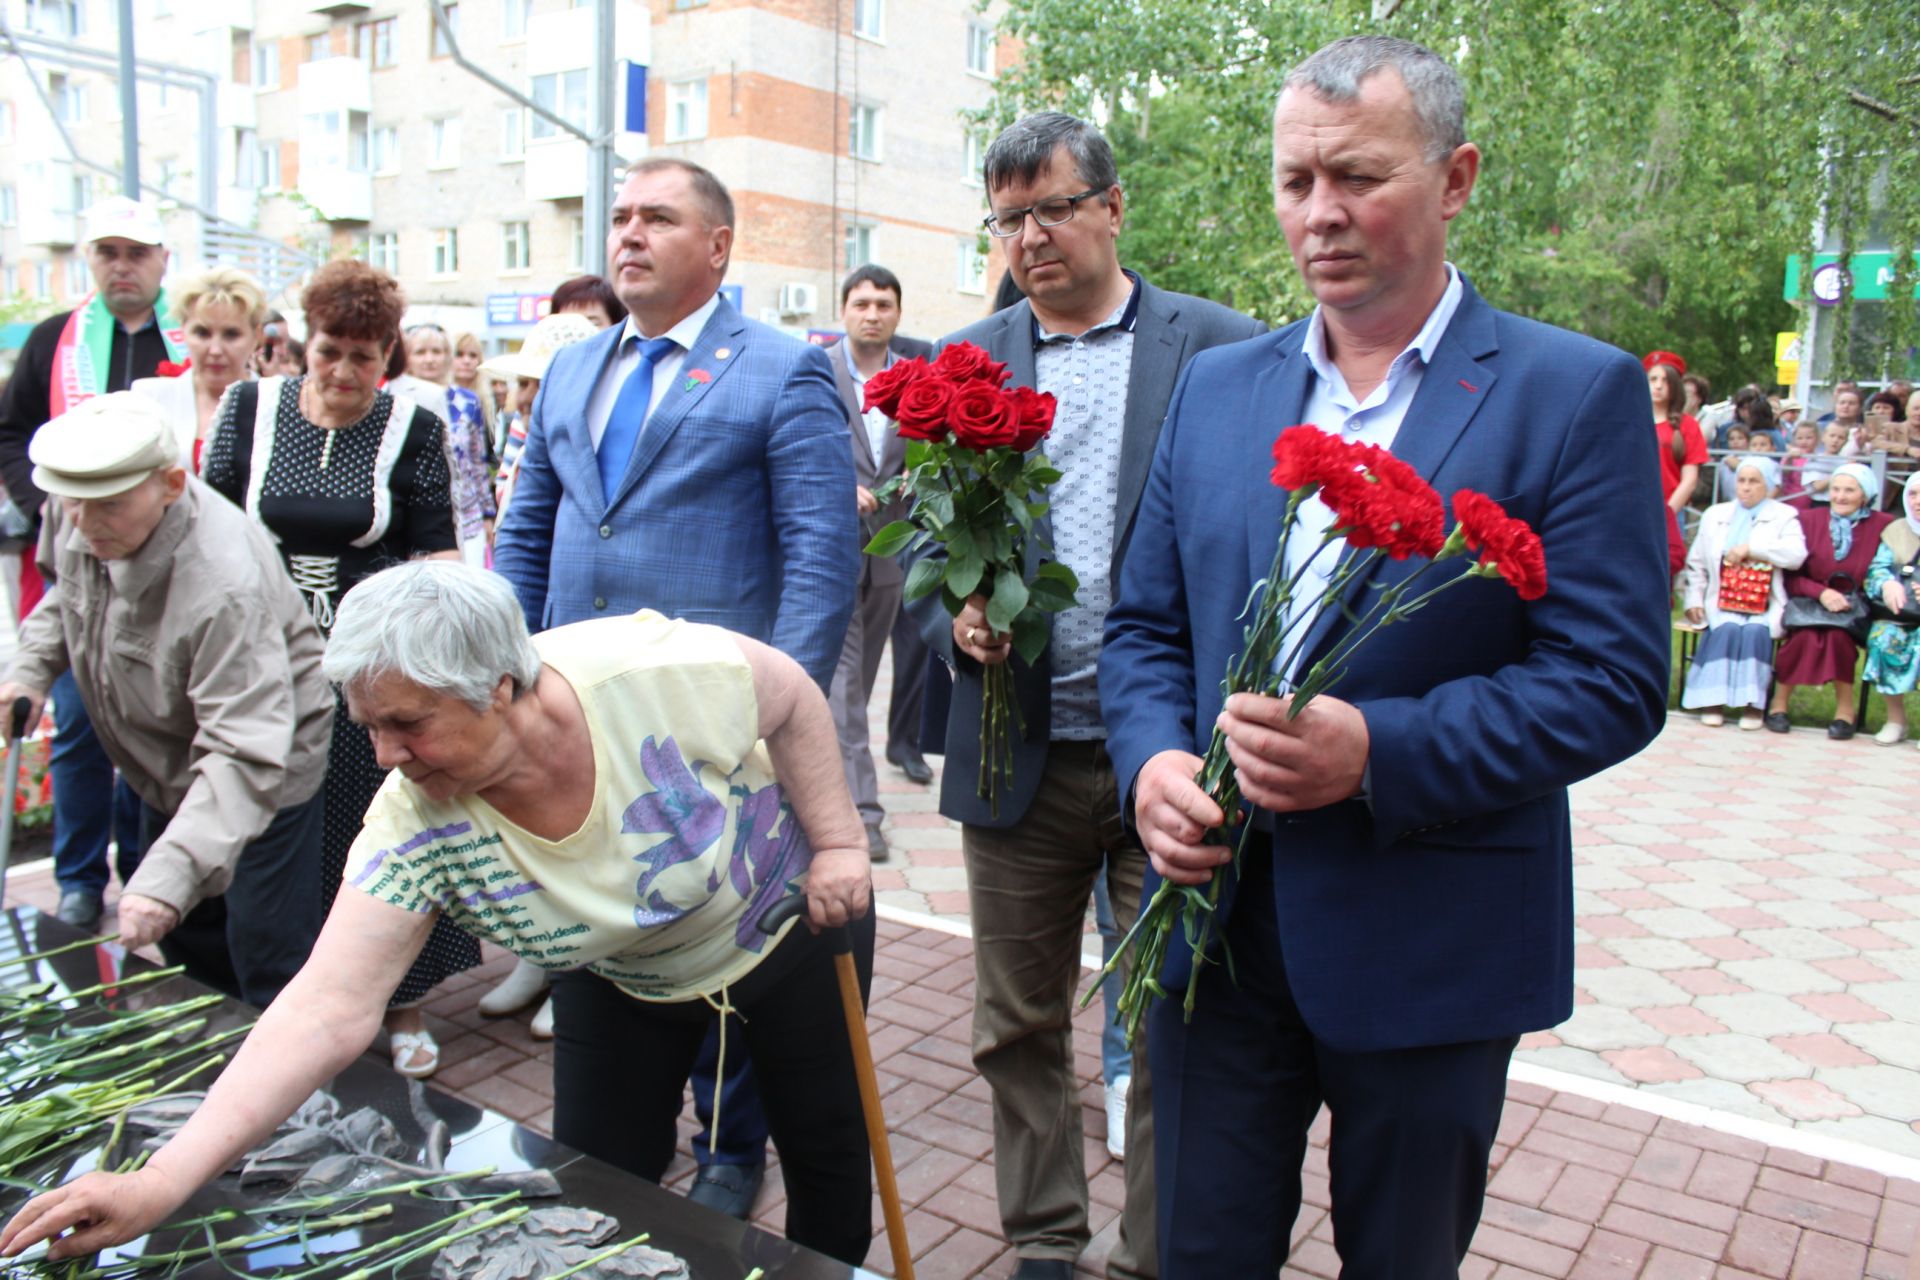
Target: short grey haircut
[1335, 72]
[445, 626]
[1026, 147]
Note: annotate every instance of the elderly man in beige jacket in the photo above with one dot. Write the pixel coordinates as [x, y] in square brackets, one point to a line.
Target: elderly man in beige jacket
[202, 669]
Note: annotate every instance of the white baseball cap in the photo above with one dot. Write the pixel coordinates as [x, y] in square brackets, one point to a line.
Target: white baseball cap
[537, 352]
[120, 218]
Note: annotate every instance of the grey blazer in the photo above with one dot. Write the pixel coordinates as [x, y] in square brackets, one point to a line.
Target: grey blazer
[868, 471]
[1168, 331]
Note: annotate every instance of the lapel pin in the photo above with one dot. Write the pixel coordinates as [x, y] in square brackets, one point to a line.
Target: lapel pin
[697, 376]
[723, 353]
[1469, 386]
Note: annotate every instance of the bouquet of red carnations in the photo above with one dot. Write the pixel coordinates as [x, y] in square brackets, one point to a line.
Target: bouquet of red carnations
[1381, 507]
[978, 488]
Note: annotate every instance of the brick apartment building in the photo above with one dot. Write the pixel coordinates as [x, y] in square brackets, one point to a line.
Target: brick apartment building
[343, 126]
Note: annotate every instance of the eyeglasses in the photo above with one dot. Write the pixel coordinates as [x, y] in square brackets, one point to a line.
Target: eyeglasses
[1048, 213]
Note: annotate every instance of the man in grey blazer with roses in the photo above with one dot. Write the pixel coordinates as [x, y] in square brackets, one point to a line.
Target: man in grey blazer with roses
[1109, 347]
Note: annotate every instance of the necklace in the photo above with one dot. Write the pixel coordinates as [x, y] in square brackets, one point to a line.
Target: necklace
[327, 433]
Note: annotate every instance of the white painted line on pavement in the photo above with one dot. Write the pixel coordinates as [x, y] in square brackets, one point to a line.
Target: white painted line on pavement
[1819, 1146]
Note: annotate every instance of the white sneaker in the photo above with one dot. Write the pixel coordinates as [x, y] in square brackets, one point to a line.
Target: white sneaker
[541, 1028]
[527, 983]
[1890, 735]
[1117, 1117]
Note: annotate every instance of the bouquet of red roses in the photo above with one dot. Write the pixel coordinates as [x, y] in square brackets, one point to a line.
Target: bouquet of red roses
[1381, 507]
[978, 487]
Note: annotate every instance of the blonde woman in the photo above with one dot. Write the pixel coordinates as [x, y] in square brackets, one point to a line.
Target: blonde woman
[221, 313]
[468, 353]
[430, 358]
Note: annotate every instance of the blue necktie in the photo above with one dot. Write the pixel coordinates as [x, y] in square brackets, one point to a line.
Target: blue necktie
[629, 412]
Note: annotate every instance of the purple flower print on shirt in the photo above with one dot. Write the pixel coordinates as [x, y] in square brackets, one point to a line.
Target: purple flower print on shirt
[678, 805]
[764, 864]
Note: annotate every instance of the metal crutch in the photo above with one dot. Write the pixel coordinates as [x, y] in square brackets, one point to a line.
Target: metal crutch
[16, 730]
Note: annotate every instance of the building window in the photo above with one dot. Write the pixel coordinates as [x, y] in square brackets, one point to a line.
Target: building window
[359, 143]
[267, 167]
[577, 243]
[513, 133]
[973, 160]
[867, 19]
[446, 143]
[246, 159]
[687, 110]
[63, 18]
[970, 267]
[515, 253]
[383, 251]
[863, 132]
[689, 4]
[980, 49]
[513, 19]
[858, 248]
[9, 205]
[43, 279]
[79, 279]
[386, 149]
[565, 94]
[446, 251]
[319, 46]
[266, 64]
[373, 42]
[443, 47]
[69, 99]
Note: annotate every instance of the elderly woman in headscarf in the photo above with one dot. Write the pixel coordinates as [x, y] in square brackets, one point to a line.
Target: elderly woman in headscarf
[1840, 538]
[1893, 578]
[1734, 662]
[621, 801]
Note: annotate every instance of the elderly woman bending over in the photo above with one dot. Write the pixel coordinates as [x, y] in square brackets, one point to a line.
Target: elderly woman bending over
[621, 799]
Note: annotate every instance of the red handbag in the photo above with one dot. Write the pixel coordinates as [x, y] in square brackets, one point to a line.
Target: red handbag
[1745, 587]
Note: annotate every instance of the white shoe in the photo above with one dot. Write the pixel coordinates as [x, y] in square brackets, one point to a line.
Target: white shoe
[1890, 735]
[1117, 1117]
[1712, 719]
[527, 983]
[541, 1028]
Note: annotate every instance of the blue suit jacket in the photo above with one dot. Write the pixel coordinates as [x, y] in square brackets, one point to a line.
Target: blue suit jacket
[1441, 911]
[736, 508]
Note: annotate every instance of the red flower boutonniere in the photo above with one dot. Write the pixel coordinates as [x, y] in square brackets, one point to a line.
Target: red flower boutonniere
[168, 369]
[697, 376]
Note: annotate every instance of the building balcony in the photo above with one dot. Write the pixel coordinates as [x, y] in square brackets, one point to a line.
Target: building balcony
[556, 169]
[338, 8]
[213, 15]
[338, 193]
[335, 84]
[238, 205]
[236, 105]
[52, 223]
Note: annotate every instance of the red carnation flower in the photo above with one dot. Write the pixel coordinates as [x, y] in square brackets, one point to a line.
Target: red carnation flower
[1036, 409]
[1506, 545]
[168, 369]
[1377, 500]
[885, 388]
[1305, 456]
[964, 362]
[984, 417]
[922, 411]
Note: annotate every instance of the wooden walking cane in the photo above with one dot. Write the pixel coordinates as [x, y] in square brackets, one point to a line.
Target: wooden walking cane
[856, 1015]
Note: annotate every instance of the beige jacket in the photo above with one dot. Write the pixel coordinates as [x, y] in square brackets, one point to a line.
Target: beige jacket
[200, 668]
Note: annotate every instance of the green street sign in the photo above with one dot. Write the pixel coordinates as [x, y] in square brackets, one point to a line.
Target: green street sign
[1872, 277]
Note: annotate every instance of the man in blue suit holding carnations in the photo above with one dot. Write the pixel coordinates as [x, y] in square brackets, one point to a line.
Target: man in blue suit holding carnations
[1403, 909]
[694, 462]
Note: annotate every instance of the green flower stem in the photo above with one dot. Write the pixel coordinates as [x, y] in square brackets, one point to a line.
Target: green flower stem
[601, 1257]
[153, 1261]
[60, 951]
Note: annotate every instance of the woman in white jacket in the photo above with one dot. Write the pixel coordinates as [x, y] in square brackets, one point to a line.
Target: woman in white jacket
[1734, 663]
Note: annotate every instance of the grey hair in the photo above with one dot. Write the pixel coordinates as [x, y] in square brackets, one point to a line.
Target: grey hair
[1026, 147]
[1334, 74]
[445, 626]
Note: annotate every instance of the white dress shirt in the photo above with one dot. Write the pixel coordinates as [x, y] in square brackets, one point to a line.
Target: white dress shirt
[875, 420]
[665, 369]
[1331, 406]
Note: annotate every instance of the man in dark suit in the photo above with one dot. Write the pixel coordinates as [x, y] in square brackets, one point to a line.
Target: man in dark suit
[1403, 906]
[695, 462]
[1108, 346]
[869, 312]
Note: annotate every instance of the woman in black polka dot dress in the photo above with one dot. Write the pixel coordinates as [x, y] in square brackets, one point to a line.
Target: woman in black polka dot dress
[349, 479]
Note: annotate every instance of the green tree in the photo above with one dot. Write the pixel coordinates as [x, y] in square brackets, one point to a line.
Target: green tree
[1648, 166]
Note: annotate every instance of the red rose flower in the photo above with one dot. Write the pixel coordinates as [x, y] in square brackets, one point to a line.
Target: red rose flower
[885, 388]
[922, 411]
[1036, 415]
[984, 417]
[964, 362]
[1505, 544]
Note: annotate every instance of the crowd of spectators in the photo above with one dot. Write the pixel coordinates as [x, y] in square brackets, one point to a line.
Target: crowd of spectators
[1803, 550]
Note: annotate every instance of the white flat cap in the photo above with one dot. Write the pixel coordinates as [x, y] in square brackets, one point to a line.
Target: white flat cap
[536, 353]
[103, 446]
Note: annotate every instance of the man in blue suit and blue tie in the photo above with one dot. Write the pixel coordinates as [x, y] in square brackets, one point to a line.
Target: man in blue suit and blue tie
[694, 462]
[1403, 910]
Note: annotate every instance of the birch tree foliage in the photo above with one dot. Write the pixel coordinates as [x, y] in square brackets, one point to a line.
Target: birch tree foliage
[1647, 166]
